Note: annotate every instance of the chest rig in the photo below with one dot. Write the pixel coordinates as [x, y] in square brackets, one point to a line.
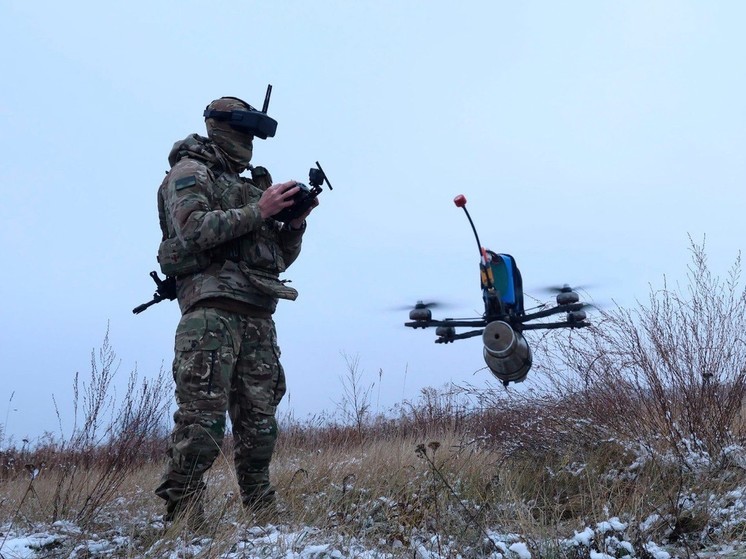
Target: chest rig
[257, 250]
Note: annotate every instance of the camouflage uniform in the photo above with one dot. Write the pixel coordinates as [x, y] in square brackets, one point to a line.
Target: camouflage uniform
[226, 353]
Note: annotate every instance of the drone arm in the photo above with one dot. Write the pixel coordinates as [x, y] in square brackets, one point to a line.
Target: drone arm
[463, 336]
[549, 312]
[553, 325]
[436, 323]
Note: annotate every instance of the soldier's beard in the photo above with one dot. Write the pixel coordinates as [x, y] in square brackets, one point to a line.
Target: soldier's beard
[237, 148]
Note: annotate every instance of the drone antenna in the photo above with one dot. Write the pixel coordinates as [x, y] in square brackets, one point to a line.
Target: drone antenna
[460, 202]
[266, 98]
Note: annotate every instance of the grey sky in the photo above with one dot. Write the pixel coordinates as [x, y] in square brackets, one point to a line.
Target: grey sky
[590, 139]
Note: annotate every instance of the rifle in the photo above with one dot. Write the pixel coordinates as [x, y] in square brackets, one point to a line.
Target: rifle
[165, 289]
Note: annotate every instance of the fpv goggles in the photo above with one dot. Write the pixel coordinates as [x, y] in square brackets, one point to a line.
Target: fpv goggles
[249, 121]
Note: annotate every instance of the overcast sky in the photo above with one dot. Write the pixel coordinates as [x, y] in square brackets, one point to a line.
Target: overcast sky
[589, 137]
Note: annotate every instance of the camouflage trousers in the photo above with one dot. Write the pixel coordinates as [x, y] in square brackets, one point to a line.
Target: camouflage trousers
[224, 362]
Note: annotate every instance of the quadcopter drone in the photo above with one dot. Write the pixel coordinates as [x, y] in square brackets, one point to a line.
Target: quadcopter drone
[506, 352]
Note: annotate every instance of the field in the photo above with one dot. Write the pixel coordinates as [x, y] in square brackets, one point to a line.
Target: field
[630, 443]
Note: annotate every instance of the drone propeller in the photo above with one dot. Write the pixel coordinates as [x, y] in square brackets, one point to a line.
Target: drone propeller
[596, 306]
[565, 288]
[424, 305]
[565, 294]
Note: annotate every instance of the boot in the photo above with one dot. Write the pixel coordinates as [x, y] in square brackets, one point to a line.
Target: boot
[189, 508]
[261, 504]
[192, 512]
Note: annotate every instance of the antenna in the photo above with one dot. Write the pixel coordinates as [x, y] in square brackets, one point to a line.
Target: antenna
[325, 177]
[266, 98]
[460, 202]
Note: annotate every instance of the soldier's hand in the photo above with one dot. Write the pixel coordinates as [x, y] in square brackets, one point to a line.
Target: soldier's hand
[277, 197]
[297, 223]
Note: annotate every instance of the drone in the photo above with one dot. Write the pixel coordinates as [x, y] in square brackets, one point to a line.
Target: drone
[506, 351]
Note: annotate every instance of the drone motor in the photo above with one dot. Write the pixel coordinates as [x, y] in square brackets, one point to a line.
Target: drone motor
[567, 296]
[421, 311]
[576, 316]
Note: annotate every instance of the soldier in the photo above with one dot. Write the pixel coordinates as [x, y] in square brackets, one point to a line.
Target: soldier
[226, 251]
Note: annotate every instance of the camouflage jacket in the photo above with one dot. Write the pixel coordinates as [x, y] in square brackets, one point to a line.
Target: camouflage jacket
[214, 214]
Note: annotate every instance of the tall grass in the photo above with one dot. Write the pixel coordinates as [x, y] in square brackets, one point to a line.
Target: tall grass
[74, 477]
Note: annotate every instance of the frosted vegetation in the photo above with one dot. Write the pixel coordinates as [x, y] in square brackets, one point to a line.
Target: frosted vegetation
[630, 443]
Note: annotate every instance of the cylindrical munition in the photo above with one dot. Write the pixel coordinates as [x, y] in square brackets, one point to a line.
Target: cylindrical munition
[506, 352]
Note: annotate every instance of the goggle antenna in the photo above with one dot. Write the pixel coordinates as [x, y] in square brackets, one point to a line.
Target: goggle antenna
[266, 98]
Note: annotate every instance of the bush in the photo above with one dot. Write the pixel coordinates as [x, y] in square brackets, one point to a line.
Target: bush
[669, 376]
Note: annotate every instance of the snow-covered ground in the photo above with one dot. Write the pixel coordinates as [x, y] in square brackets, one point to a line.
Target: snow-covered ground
[718, 529]
[608, 539]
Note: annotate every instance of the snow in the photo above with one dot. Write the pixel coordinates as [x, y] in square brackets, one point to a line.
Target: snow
[317, 551]
[656, 551]
[648, 523]
[520, 549]
[611, 525]
[584, 537]
[27, 547]
[608, 539]
[262, 542]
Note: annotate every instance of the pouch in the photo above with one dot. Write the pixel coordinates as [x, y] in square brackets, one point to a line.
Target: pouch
[268, 283]
[177, 261]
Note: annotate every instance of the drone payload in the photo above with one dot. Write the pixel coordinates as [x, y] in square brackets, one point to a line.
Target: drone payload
[506, 351]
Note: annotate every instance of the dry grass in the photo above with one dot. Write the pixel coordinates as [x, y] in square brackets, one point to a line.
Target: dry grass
[640, 418]
[393, 491]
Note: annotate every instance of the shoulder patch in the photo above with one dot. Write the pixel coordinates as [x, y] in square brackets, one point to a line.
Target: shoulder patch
[185, 182]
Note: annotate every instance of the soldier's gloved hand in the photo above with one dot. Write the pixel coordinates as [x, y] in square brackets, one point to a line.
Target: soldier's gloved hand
[276, 198]
[297, 223]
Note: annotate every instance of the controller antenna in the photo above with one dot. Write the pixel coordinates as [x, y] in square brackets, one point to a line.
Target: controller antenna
[324, 175]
